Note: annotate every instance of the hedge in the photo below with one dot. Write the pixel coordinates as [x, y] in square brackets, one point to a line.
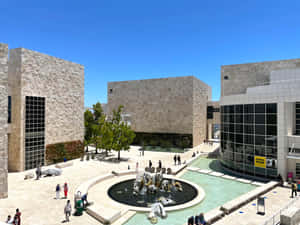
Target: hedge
[70, 150]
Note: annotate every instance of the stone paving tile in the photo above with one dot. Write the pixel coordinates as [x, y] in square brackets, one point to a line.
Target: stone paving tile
[247, 215]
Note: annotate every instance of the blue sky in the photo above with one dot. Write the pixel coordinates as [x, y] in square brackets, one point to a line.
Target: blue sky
[128, 40]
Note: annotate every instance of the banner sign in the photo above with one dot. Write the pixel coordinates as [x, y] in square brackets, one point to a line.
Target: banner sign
[260, 161]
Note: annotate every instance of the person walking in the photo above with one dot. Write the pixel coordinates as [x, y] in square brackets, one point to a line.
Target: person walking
[57, 190]
[175, 159]
[150, 164]
[17, 218]
[178, 160]
[159, 164]
[294, 189]
[137, 166]
[68, 210]
[38, 172]
[66, 188]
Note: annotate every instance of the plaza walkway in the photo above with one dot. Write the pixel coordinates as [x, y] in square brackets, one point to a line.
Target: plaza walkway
[247, 215]
[36, 198]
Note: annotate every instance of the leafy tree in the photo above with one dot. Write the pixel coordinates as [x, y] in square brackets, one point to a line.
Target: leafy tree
[97, 111]
[123, 136]
[97, 124]
[88, 125]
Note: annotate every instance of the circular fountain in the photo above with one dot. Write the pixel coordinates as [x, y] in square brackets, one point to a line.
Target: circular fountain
[147, 189]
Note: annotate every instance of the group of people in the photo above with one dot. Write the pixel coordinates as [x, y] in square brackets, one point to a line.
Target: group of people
[16, 220]
[58, 189]
[197, 220]
[150, 164]
[177, 159]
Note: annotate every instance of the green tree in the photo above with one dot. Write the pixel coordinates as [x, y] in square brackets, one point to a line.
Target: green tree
[123, 136]
[97, 124]
[88, 125]
[97, 111]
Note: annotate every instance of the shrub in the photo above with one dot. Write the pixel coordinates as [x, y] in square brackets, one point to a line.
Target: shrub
[70, 150]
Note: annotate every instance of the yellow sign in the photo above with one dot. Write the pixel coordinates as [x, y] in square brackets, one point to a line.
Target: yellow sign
[260, 161]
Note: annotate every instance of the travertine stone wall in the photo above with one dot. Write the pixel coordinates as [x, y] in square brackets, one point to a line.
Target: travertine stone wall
[3, 119]
[167, 105]
[242, 76]
[217, 115]
[201, 94]
[61, 83]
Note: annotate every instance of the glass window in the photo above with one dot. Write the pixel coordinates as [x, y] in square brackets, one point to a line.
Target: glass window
[259, 140]
[239, 128]
[260, 129]
[248, 118]
[248, 108]
[259, 118]
[239, 109]
[249, 149]
[249, 129]
[272, 108]
[239, 118]
[272, 130]
[271, 119]
[260, 108]
[239, 138]
[249, 139]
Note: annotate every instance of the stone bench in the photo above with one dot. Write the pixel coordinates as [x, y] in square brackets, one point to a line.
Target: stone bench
[213, 215]
[64, 164]
[245, 198]
[103, 214]
[290, 216]
[124, 172]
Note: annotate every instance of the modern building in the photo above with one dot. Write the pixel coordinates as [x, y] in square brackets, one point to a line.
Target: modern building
[42, 103]
[172, 108]
[260, 114]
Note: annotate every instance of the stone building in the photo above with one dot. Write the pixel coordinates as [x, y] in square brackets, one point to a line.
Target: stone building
[43, 104]
[172, 108]
[3, 119]
[260, 118]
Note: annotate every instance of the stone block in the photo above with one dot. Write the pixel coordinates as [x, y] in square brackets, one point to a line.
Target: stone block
[290, 216]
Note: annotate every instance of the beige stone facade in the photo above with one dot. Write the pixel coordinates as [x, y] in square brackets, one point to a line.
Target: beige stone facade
[235, 79]
[3, 119]
[61, 83]
[169, 105]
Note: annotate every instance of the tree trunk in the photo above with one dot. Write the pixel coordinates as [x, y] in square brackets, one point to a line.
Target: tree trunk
[96, 147]
[119, 155]
[87, 148]
[106, 153]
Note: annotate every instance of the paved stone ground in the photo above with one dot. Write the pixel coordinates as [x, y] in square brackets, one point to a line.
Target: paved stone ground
[35, 198]
[247, 215]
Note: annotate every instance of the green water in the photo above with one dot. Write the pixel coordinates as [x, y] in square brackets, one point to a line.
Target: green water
[208, 164]
[218, 191]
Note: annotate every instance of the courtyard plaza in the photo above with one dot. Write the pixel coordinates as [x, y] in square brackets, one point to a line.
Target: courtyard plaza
[37, 203]
[36, 198]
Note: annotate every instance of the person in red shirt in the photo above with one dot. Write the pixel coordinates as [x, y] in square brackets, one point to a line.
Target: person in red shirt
[17, 218]
[66, 189]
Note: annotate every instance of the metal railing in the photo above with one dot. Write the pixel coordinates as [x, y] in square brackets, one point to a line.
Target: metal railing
[275, 219]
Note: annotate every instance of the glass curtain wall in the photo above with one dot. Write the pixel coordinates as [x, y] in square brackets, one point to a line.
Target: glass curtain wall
[34, 132]
[248, 131]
